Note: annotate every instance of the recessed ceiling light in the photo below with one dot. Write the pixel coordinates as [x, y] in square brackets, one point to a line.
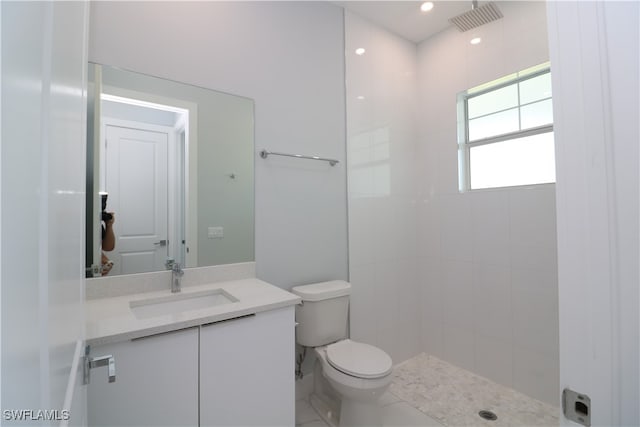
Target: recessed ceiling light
[360, 51]
[475, 40]
[360, 97]
[426, 6]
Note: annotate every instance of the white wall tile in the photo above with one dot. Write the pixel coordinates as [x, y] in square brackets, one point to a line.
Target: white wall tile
[490, 223]
[459, 347]
[494, 359]
[533, 216]
[362, 309]
[432, 305]
[492, 303]
[457, 283]
[408, 311]
[383, 189]
[536, 375]
[428, 213]
[433, 338]
[456, 229]
[535, 310]
[362, 223]
[432, 289]
[447, 163]
[386, 301]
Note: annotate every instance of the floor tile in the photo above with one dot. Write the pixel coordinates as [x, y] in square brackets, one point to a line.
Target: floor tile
[401, 414]
[426, 391]
[316, 423]
[305, 413]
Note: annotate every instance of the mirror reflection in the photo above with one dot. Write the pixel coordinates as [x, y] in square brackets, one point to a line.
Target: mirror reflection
[169, 175]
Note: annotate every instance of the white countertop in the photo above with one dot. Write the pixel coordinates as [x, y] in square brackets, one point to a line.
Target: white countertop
[111, 320]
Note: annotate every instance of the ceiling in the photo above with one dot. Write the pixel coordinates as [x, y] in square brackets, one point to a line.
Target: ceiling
[405, 18]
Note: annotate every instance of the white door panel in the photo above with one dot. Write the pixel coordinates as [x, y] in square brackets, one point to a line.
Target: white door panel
[594, 50]
[136, 180]
[44, 60]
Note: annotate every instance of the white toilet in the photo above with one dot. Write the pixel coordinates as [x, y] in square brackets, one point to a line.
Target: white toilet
[359, 373]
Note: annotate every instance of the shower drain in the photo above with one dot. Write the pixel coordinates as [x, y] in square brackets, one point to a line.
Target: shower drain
[488, 415]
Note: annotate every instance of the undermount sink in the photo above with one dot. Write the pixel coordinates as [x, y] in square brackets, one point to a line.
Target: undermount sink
[180, 303]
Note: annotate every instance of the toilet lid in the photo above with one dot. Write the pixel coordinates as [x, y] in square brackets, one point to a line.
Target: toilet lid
[358, 359]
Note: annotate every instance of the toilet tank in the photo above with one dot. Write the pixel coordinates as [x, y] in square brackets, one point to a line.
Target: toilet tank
[322, 316]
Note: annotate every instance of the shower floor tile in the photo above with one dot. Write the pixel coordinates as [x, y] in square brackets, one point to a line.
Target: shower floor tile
[426, 391]
[454, 396]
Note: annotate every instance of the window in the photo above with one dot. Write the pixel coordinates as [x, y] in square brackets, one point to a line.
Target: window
[505, 132]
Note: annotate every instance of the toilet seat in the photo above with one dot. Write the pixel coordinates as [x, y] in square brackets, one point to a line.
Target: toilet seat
[358, 359]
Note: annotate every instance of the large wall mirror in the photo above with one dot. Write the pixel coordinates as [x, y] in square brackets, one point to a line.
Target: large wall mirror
[173, 163]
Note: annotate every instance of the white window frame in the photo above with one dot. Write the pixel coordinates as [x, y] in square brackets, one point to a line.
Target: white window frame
[464, 145]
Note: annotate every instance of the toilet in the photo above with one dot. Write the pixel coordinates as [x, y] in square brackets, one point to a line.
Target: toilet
[357, 373]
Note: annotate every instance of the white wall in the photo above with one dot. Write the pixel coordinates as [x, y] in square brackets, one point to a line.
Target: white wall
[288, 57]
[383, 187]
[488, 258]
[43, 129]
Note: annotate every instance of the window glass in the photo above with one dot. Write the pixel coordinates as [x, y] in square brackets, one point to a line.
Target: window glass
[521, 161]
[535, 89]
[491, 102]
[537, 114]
[494, 124]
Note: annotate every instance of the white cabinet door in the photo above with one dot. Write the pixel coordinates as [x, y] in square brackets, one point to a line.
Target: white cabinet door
[156, 382]
[247, 371]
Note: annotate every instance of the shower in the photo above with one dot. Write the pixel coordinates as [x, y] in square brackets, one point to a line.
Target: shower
[477, 16]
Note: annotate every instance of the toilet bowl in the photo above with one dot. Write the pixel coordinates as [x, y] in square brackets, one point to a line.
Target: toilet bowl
[355, 370]
[358, 373]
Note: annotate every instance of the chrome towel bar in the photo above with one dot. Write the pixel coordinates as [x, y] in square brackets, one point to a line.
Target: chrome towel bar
[264, 154]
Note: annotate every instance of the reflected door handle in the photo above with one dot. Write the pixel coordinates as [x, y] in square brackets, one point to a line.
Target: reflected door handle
[161, 243]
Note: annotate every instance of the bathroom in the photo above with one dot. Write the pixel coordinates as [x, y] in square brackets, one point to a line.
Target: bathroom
[412, 246]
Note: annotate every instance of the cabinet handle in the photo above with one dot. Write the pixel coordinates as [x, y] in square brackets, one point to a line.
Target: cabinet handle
[228, 320]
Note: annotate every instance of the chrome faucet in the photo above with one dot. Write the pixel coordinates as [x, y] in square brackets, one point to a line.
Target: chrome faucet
[176, 276]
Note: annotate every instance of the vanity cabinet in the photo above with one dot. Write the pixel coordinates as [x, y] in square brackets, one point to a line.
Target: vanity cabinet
[156, 382]
[247, 371]
[237, 372]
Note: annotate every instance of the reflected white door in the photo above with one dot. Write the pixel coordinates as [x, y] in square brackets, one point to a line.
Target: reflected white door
[136, 180]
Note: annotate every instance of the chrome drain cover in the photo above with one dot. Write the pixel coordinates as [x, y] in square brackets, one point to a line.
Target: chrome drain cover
[488, 415]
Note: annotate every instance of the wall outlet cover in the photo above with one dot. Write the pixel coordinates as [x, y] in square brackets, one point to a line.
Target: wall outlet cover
[215, 232]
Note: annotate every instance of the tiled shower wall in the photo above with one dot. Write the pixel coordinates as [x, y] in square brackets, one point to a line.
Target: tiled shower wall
[382, 189]
[488, 258]
[470, 278]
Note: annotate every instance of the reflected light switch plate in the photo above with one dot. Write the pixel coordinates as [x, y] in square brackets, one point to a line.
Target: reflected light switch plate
[216, 232]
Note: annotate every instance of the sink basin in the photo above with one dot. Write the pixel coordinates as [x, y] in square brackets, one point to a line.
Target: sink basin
[180, 303]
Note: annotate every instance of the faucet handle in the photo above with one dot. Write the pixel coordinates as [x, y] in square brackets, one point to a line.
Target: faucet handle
[177, 268]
